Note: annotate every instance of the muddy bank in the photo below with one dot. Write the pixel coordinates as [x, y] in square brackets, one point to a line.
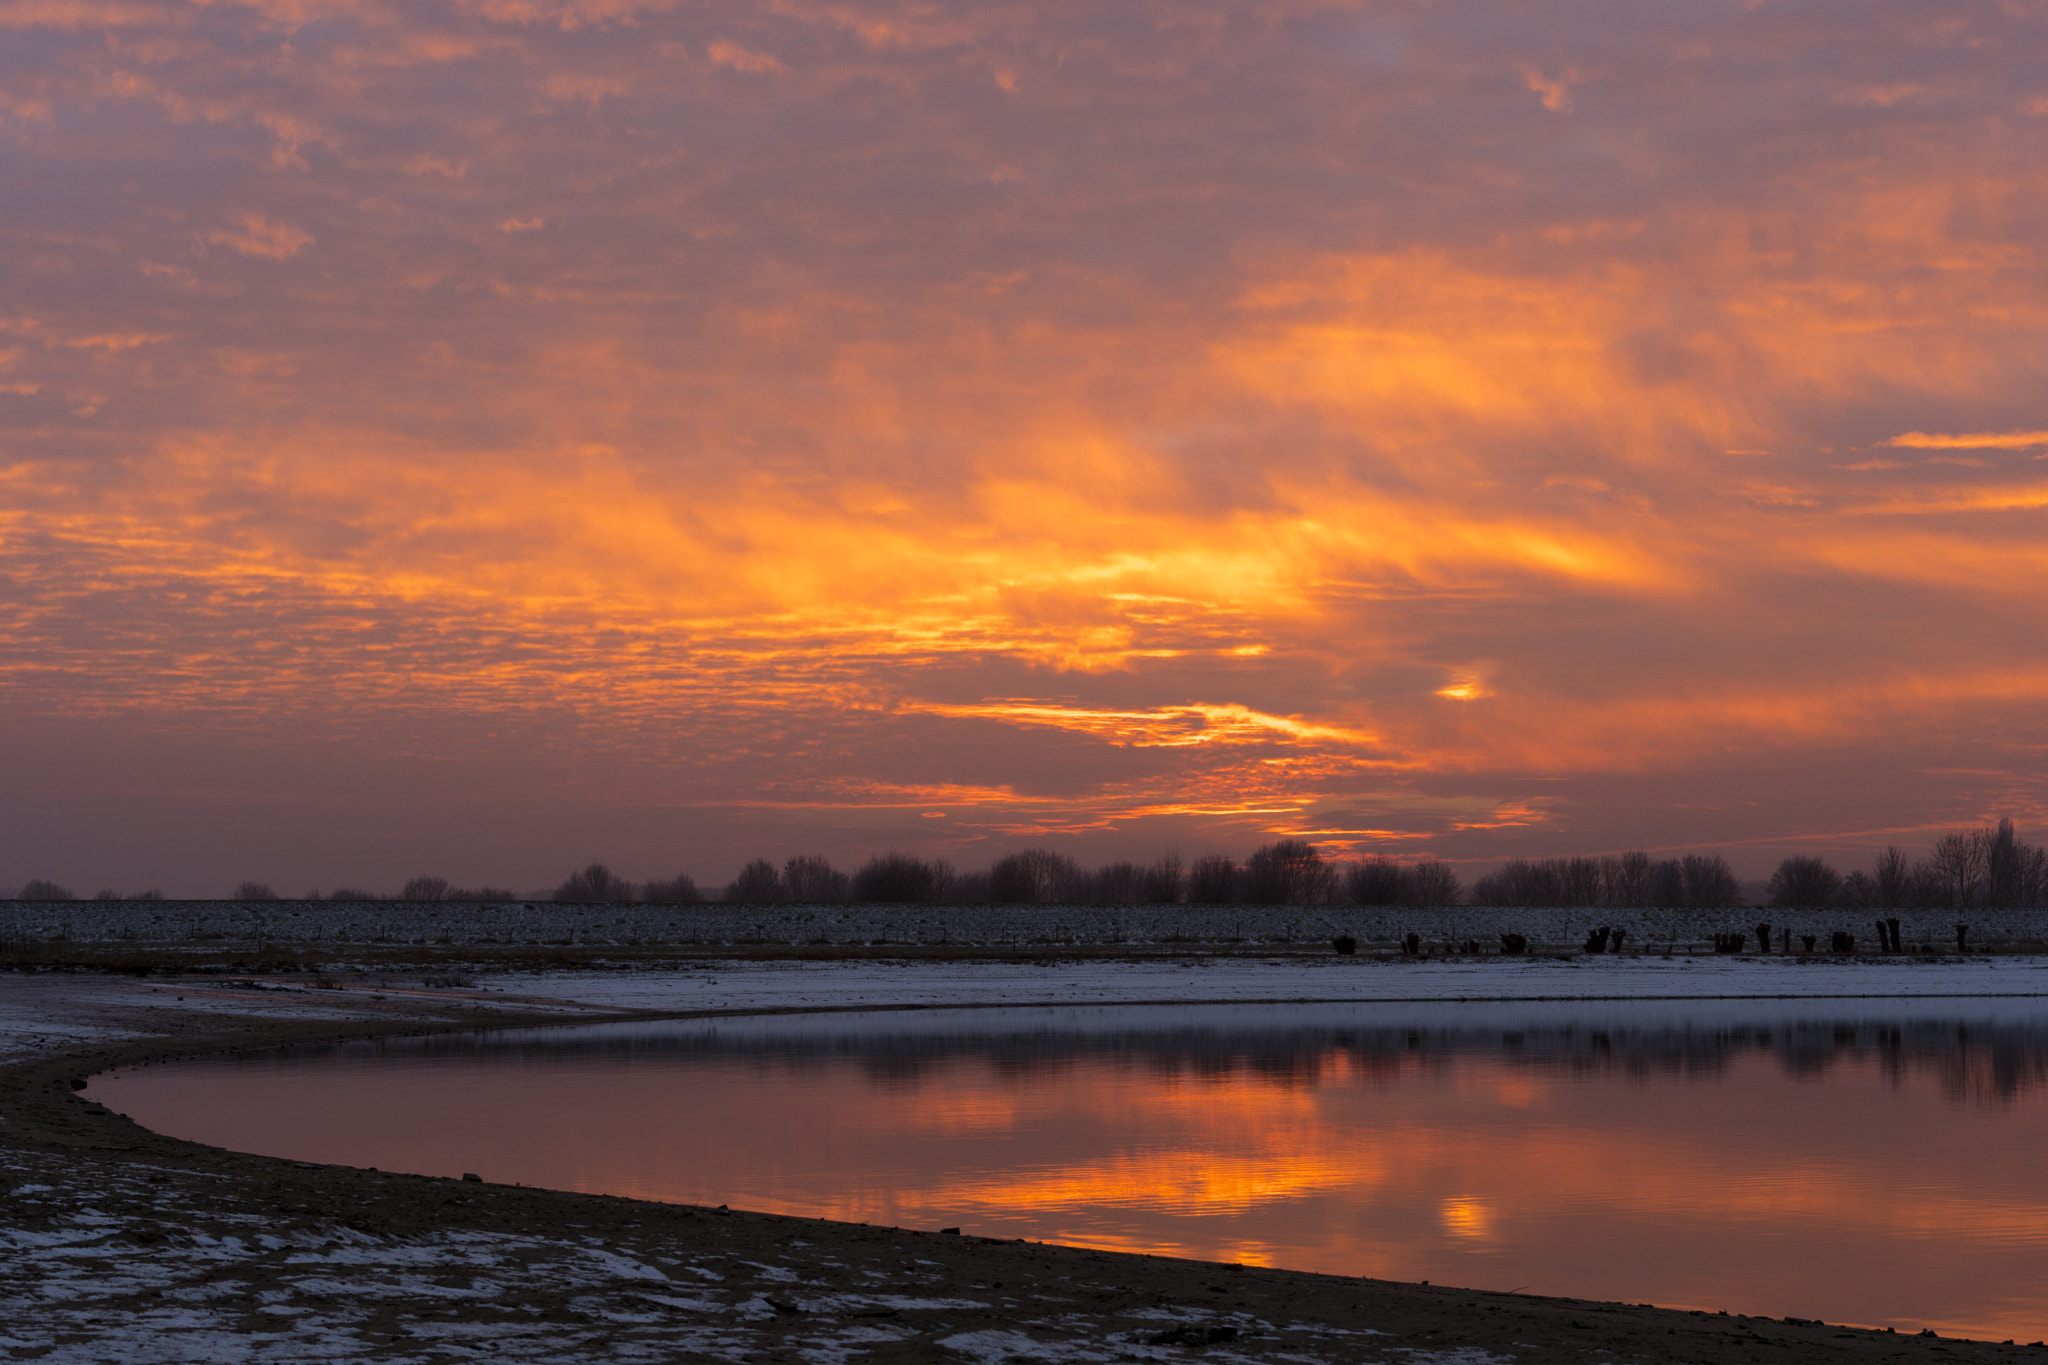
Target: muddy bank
[123, 1245]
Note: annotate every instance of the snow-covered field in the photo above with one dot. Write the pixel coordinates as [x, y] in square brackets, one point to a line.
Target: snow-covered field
[535, 923]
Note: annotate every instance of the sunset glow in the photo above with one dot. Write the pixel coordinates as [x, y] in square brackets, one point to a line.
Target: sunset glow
[479, 437]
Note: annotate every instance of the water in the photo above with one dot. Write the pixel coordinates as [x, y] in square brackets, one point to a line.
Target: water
[1878, 1163]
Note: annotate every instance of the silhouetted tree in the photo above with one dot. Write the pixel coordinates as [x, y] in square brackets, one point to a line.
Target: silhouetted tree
[1165, 881]
[41, 890]
[758, 884]
[1036, 876]
[1861, 891]
[1625, 880]
[1894, 877]
[594, 885]
[1118, 884]
[1710, 883]
[1579, 882]
[900, 879]
[1214, 882]
[680, 889]
[254, 891]
[1804, 883]
[1432, 883]
[1289, 872]
[1957, 863]
[425, 889]
[814, 881]
[2004, 863]
[1667, 884]
[1378, 880]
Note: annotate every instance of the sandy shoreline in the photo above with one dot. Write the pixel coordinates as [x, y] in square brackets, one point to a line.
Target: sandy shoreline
[127, 1246]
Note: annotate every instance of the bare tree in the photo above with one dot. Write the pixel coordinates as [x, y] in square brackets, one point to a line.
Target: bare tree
[1804, 883]
[1667, 884]
[40, 890]
[1579, 882]
[1119, 884]
[1214, 882]
[594, 885]
[758, 884]
[1165, 881]
[1289, 872]
[814, 881]
[1894, 876]
[1036, 876]
[2004, 860]
[425, 889]
[1378, 880]
[1861, 891]
[1625, 880]
[1710, 883]
[1432, 883]
[254, 891]
[680, 889]
[901, 879]
[1957, 863]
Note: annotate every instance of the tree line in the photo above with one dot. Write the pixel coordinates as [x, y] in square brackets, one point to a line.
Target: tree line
[1989, 867]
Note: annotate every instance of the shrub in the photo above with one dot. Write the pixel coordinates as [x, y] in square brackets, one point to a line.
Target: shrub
[677, 890]
[1214, 882]
[758, 884]
[481, 894]
[1804, 883]
[254, 891]
[351, 893]
[40, 890]
[901, 879]
[108, 895]
[150, 895]
[813, 881]
[425, 889]
[1290, 872]
[595, 884]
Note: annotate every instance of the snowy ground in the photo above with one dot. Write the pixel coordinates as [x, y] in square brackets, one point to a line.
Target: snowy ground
[813, 985]
[239, 925]
[149, 1269]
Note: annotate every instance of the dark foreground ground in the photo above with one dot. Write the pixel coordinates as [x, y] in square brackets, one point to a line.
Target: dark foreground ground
[119, 1245]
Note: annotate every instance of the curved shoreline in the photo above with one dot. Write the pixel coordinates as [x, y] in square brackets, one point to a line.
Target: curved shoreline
[845, 1285]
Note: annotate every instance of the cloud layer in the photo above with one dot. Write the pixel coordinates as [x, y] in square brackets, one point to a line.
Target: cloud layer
[851, 424]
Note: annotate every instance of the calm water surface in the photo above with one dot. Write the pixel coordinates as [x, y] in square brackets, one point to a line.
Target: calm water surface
[1864, 1162]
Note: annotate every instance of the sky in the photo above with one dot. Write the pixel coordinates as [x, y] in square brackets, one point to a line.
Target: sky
[479, 438]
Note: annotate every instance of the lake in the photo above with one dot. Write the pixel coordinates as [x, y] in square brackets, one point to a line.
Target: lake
[1875, 1162]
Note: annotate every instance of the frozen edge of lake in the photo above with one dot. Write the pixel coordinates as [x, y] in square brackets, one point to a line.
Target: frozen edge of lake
[740, 986]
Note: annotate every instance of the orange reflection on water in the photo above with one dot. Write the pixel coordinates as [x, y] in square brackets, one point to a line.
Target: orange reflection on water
[1884, 1187]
